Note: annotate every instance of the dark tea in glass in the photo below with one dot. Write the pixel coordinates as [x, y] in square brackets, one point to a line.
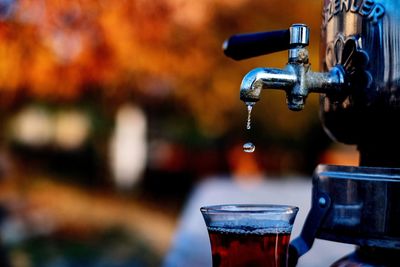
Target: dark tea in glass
[249, 235]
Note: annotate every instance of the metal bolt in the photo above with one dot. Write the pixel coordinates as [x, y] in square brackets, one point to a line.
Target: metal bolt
[322, 202]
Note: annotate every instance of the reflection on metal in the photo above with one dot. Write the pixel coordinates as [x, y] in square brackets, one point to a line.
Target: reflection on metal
[296, 78]
[369, 9]
[361, 212]
[347, 215]
[364, 37]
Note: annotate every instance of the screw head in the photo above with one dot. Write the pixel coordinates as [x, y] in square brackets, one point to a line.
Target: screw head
[322, 202]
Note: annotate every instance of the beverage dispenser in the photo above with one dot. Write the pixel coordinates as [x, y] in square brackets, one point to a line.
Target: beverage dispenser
[359, 87]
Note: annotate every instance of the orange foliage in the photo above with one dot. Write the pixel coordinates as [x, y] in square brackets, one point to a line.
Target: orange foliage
[55, 49]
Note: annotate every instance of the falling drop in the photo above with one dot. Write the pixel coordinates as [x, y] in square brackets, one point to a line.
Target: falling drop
[249, 109]
[249, 147]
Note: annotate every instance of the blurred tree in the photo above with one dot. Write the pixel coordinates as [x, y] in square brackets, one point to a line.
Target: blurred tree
[56, 49]
[152, 52]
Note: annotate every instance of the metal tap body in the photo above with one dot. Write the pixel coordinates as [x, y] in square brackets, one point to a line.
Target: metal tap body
[296, 79]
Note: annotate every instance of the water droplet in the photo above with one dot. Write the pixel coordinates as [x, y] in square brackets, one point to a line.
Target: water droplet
[249, 147]
[249, 109]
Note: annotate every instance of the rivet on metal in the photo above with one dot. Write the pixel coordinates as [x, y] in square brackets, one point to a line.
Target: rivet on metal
[322, 202]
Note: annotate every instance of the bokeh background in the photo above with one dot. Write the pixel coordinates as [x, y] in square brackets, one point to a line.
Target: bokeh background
[111, 112]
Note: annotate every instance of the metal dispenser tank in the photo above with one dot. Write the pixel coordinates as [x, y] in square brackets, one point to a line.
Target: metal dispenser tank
[359, 87]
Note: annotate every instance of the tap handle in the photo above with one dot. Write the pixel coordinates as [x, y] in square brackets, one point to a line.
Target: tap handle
[243, 46]
[320, 206]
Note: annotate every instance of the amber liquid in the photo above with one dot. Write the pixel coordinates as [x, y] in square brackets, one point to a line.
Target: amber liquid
[231, 249]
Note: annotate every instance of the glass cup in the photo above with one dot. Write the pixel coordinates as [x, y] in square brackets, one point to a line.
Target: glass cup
[249, 235]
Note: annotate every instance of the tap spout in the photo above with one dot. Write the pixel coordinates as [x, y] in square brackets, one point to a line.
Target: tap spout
[262, 78]
[297, 80]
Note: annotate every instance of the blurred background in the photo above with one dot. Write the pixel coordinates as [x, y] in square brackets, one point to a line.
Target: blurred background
[112, 112]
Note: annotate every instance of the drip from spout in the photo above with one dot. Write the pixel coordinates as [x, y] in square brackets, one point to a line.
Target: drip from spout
[249, 109]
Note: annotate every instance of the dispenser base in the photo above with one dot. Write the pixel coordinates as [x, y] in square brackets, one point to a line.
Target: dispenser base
[370, 257]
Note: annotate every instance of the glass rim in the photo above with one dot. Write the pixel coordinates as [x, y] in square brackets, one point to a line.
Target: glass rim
[250, 209]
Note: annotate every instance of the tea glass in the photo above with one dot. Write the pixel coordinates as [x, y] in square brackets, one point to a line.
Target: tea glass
[249, 235]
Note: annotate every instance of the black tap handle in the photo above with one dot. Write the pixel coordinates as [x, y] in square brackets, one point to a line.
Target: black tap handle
[243, 46]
